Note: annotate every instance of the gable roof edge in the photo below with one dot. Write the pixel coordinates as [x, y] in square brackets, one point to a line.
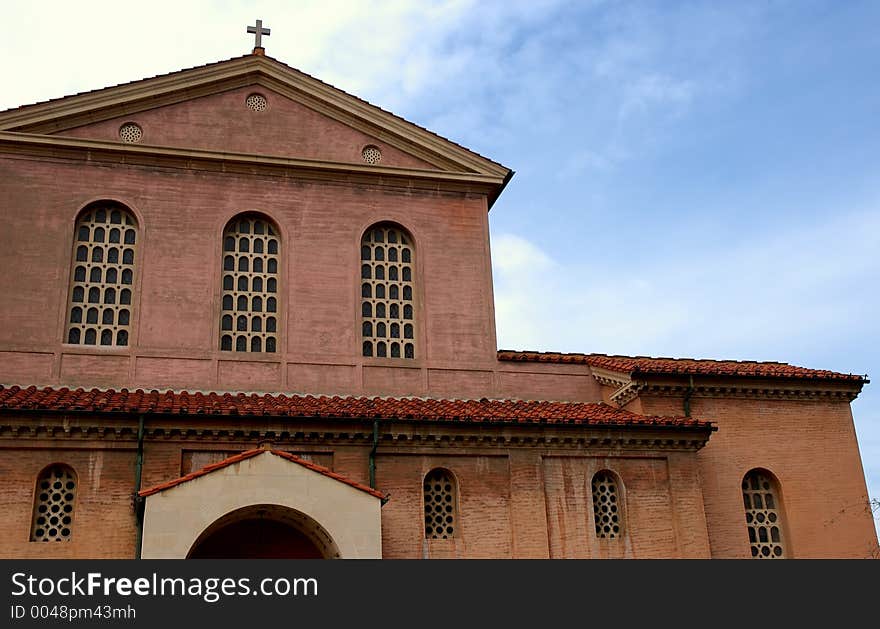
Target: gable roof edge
[248, 454]
[162, 90]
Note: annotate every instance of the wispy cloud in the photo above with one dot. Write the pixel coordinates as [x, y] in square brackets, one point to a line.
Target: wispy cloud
[655, 90]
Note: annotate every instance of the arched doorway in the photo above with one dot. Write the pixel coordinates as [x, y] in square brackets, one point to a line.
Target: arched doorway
[340, 517]
[264, 532]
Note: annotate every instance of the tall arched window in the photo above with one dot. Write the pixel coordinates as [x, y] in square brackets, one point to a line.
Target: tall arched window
[53, 504]
[763, 515]
[441, 498]
[607, 508]
[387, 290]
[249, 295]
[102, 276]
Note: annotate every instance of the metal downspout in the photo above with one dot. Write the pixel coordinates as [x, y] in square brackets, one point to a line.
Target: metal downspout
[687, 397]
[139, 502]
[373, 454]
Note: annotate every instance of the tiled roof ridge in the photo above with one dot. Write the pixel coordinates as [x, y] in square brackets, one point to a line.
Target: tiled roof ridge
[247, 454]
[289, 67]
[636, 357]
[681, 365]
[16, 397]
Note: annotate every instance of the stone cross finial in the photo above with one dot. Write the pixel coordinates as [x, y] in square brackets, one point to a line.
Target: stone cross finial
[258, 32]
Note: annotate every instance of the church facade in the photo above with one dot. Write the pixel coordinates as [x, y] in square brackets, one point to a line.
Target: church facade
[247, 314]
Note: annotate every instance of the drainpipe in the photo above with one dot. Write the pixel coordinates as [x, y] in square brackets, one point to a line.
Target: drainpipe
[373, 454]
[687, 397]
[139, 502]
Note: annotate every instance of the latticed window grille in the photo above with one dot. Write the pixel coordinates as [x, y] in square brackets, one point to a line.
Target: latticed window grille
[763, 515]
[387, 293]
[53, 504]
[607, 511]
[251, 259]
[102, 277]
[440, 505]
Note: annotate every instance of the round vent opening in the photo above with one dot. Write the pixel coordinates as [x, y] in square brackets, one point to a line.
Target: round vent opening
[130, 132]
[256, 102]
[371, 154]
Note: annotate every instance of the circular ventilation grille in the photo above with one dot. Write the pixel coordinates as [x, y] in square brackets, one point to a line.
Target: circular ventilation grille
[130, 132]
[371, 154]
[256, 102]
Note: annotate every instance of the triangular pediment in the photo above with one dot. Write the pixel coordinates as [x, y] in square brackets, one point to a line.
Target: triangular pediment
[207, 109]
[342, 517]
[258, 459]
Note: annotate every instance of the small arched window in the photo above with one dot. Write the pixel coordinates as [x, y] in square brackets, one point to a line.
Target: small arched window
[441, 500]
[763, 515]
[54, 500]
[250, 276]
[98, 272]
[607, 508]
[387, 293]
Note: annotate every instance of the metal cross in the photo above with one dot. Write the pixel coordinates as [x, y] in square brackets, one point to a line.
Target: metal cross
[258, 32]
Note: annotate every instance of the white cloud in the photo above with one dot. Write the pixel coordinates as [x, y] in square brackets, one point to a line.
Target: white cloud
[761, 295]
[58, 48]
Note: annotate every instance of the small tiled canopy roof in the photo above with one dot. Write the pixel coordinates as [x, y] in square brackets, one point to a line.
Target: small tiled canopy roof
[16, 398]
[647, 365]
[252, 453]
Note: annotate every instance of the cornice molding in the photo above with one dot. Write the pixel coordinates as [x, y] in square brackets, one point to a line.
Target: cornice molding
[764, 391]
[97, 151]
[610, 378]
[17, 431]
[625, 389]
[626, 394]
[628, 388]
[128, 99]
[77, 109]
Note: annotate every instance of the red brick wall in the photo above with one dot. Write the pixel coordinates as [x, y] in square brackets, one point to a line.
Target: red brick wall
[810, 446]
[660, 520]
[483, 529]
[176, 311]
[221, 122]
[516, 502]
[104, 521]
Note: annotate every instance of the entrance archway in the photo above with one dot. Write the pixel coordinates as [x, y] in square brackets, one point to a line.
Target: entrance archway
[339, 517]
[264, 532]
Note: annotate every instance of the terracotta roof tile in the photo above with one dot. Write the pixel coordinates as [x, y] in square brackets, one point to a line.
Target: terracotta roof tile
[682, 366]
[16, 398]
[252, 453]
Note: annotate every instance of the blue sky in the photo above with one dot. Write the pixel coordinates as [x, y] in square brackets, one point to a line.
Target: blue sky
[692, 178]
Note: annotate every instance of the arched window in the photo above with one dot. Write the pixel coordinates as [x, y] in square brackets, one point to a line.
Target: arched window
[607, 508]
[249, 293]
[441, 498]
[763, 515]
[53, 504]
[387, 287]
[105, 246]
